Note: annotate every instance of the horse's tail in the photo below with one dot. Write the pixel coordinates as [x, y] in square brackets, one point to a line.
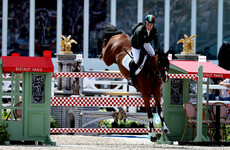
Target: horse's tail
[108, 30]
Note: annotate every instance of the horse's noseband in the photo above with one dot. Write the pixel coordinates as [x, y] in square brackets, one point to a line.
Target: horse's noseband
[164, 74]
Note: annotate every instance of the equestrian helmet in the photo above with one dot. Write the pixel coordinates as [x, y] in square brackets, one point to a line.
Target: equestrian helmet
[150, 19]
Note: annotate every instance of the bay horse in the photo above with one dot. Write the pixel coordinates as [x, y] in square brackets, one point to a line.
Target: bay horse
[149, 79]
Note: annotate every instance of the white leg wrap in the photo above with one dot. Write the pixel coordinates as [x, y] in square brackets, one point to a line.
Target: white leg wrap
[153, 133]
[151, 120]
[165, 128]
[162, 116]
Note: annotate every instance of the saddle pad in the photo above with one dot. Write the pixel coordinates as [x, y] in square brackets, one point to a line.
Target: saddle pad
[126, 60]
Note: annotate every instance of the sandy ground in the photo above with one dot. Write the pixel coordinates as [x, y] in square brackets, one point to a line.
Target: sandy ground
[81, 142]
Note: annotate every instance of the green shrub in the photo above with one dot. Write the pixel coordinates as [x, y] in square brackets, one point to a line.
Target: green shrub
[6, 113]
[53, 123]
[110, 123]
[228, 132]
[102, 110]
[4, 135]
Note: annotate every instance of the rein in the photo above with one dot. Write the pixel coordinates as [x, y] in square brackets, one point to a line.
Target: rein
[128, 54]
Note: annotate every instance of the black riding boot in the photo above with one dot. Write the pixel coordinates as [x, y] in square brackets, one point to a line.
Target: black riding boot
[132, 67]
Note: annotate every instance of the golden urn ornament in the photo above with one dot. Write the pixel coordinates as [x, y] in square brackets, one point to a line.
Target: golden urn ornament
[66, 44]
[188, 44]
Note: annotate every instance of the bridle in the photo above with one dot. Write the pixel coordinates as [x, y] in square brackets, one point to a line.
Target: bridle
[163, 73]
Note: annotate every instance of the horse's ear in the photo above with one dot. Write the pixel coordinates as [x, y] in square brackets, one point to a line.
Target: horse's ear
[167, 53]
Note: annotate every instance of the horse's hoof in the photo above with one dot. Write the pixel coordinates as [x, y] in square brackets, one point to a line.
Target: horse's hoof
[153, 139]
[166, 131]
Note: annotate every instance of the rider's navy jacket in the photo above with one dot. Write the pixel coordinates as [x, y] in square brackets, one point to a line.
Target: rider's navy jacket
[140, 36]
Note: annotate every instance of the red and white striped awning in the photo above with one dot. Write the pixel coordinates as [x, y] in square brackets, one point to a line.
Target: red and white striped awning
[19, 64]
[210, 70]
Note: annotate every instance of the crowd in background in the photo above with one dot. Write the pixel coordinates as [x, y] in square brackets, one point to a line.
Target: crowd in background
[224, 62]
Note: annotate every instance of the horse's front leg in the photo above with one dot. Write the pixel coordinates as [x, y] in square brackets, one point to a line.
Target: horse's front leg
[150, 117]
[157, 98]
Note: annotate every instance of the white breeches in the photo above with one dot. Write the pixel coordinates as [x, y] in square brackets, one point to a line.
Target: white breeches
[136, 52]
[149, 49]
[136, 55]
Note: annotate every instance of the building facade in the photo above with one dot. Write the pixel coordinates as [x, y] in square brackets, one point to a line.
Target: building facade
[31, 26]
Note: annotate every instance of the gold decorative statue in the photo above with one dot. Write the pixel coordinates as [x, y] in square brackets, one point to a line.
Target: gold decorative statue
[66, 44]
[188, 44]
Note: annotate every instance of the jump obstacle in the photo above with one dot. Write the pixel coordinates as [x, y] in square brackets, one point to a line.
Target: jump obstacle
[104, 101]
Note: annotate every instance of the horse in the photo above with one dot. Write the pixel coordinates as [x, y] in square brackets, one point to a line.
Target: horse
[149, 79]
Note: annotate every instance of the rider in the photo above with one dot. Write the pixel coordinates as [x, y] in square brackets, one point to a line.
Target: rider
[140, 41]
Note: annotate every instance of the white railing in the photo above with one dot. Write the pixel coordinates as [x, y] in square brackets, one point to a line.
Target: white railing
[109, 87]
[214, 86]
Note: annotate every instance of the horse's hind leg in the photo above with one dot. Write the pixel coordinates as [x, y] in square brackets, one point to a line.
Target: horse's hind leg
[150, 117]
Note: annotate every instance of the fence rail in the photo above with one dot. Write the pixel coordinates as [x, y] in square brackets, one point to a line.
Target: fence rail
[102, 130]
[113, 75]
[103, 101]
[99, 101]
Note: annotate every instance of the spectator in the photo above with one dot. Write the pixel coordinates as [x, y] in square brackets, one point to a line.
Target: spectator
[212, 93]
[223, 55]
[224, 62]
[224, 94]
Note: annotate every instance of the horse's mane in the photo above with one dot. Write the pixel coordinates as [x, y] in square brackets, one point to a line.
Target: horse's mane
[223, 56]
[108, 30]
